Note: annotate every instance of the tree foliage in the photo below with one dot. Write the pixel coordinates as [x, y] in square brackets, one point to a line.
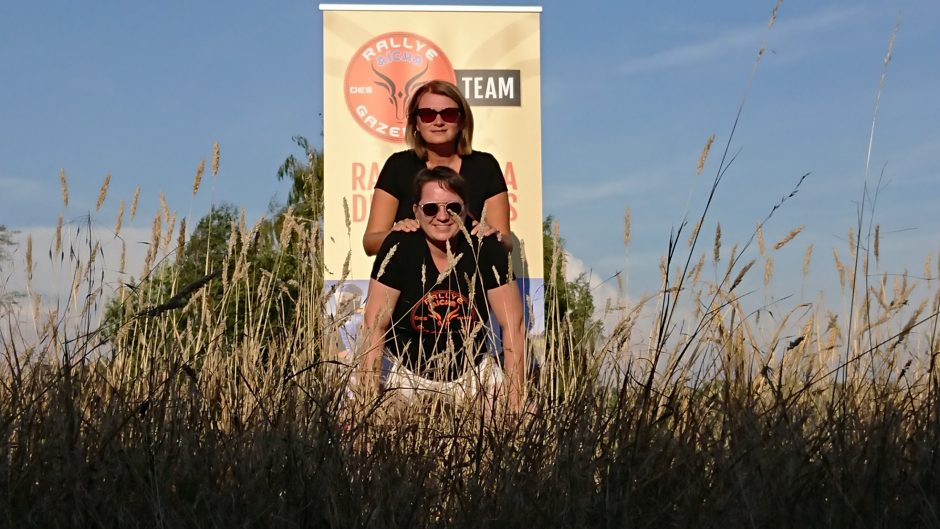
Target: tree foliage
[571, 331]
[245, 278]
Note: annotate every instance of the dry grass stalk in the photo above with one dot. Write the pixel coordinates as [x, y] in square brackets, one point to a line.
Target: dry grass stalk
[702, 157]
[120, 218]
[626, 228]
[215, 159]
[877, 242]
[852, 242]
[170, 232]
[839, 268]
[58, 235]
[103, 192]
[789, 237]
[761, 245]
[181, 239]
[928, 268]
[122, 266]
[694, 234]
[64, 185]
[165, 206]
[29, 257]
[134, 202]
[697, 270]
[732, 258]
[156, 229]
[287, 227]
[716, 250]
[741, 274]
[773, 14]
[768, 271]
[807, 258]
[388, 259]
[909, 325]
[197, 180]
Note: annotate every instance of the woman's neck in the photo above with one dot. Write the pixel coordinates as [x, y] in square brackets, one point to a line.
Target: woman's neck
[439, 248]
[441, 155]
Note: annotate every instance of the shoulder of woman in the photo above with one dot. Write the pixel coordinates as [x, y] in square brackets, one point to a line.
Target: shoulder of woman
[406, 155]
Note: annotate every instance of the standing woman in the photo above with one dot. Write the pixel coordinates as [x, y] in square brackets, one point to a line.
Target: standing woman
[439, 132]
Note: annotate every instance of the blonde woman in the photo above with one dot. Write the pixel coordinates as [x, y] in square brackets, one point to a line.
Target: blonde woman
[440, 132]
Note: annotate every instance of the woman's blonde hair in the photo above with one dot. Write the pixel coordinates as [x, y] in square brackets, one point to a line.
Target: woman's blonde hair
[444, 88]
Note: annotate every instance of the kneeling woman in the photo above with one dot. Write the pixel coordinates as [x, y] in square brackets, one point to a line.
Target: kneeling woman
[430, 298]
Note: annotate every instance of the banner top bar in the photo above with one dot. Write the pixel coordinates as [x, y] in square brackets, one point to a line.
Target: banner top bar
[412, 7]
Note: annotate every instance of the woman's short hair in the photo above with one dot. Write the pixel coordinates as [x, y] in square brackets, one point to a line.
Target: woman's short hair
[445, 177]
[464, 135]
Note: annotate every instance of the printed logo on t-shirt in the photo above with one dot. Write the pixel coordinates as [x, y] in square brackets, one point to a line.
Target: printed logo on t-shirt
[443, 311]
[384, 73]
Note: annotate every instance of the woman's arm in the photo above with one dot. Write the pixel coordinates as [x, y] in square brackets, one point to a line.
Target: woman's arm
[506, 307]
[381, 216]
[381, 221]
[376, 321]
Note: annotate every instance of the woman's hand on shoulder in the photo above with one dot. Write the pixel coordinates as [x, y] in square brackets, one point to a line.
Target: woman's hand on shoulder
[482, 229]
[406, 225]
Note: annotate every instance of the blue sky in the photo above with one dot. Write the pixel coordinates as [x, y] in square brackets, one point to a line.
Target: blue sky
[630, 93]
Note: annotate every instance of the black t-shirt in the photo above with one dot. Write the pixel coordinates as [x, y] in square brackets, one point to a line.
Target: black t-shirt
[480, 170]
[439, 324]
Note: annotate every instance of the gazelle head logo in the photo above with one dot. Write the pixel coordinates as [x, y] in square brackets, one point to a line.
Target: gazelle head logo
[383, 74]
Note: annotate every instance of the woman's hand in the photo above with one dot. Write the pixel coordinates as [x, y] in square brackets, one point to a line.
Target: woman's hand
[482, 229]
[405, 225]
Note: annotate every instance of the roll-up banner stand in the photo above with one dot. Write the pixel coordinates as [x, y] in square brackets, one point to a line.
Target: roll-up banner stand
[374, 56]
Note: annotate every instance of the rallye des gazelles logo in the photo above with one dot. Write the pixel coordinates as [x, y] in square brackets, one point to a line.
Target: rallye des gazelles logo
[384, 73]
[443, 311]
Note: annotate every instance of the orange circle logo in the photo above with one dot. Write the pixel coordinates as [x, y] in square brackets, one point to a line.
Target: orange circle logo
[382, 76]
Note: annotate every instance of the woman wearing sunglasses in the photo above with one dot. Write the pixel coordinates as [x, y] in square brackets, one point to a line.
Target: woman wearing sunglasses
[430, 297]
[439, 132]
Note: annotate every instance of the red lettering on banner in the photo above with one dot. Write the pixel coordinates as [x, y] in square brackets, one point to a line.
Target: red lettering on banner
[512, 207]
[358, 176]
[509, 174]
[360, 208]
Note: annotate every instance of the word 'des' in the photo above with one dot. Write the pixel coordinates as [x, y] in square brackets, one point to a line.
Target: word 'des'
[495, 88]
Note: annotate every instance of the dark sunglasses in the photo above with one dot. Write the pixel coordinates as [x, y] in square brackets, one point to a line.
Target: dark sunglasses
[449, 115]
[431, 209]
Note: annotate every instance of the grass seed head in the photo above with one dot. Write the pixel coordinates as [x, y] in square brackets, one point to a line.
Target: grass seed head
[64, 185]
[197, 180]
[103, 192]
[788, 237]
[702, 157]
[215, 159]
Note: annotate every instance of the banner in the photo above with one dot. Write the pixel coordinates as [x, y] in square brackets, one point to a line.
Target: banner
[492, 55]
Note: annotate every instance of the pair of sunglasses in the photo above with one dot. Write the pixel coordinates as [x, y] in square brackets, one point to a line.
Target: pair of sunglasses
[431, 209]
[428, 115]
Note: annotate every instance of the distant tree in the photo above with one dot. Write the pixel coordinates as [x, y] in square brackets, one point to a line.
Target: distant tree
[6, 245]
[571, 331]
[261, 301]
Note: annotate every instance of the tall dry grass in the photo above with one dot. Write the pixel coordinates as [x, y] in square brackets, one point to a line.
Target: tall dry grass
[722, 419]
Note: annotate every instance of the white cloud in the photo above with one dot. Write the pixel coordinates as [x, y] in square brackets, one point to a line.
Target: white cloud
[53, 273]
[736, 40]
[608, 298]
